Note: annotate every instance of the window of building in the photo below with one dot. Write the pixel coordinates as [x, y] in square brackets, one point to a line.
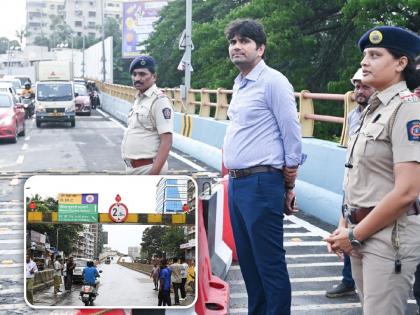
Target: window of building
[117, 16]
[91, 24]
[78, 12]
[92, 14]
[90, 34]
[60, 7]
[78, 23]
[52, 6]
[79, 33]
[92, 3]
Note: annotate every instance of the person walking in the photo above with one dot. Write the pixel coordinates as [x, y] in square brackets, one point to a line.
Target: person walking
[69, 270]
[262, 150]
[362, 94]
[183, 278]
[31, 269]
[191, 275]
[155, 276]
[148, 137]
[176, 279]
[58, 269]
[164, 295]
[383, 178]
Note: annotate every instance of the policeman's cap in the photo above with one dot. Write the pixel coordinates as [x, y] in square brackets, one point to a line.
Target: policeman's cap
[143, 62]
[391, 37]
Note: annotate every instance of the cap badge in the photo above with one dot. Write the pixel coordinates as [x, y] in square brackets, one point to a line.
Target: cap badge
[375, 37]
[143, 62]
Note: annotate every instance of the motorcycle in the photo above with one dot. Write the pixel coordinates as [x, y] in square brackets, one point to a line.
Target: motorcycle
[29, 106]
[94, 99]
[88, 292]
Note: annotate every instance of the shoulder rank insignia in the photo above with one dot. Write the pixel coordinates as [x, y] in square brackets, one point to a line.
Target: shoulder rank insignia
[407, 96]
[413, 130]
[166, 113]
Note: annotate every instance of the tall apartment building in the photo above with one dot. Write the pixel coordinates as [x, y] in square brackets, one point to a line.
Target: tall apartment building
[173, 193]
[38, 17]
[83, 16]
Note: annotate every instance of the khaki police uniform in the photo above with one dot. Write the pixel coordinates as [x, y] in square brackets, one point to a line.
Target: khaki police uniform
[150, 116]
[389, 135]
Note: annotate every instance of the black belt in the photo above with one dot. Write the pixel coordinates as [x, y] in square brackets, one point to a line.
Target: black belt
[253, 170]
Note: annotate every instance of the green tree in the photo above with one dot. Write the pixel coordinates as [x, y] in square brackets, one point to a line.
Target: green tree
[152, 240]
[174, 236]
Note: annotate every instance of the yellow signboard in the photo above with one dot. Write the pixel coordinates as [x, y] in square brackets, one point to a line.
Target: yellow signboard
[70, 198]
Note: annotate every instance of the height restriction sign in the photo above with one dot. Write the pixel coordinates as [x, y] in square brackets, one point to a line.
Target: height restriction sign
[118, 211]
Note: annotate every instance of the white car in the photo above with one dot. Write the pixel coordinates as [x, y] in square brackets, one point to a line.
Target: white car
[81, 263]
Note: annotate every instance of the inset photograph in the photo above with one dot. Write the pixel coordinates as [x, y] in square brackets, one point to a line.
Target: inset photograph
[110, 241]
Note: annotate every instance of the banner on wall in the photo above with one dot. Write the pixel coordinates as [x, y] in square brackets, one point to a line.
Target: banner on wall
[138, 19]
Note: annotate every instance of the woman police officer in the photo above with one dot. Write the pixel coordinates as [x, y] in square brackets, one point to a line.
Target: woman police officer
[383, 178]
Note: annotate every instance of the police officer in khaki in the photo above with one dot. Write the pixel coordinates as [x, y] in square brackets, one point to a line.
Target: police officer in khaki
[148, 138]
[382, 232]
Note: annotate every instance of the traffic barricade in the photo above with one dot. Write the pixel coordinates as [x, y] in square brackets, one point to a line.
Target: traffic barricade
[213, 293]
[227, 228]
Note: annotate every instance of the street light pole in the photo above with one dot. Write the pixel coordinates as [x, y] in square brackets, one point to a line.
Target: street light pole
[103, 42]
[188, 48]
[56, 245]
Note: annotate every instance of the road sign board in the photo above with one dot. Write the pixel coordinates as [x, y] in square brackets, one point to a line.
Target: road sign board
[118, 212]
[78, 208]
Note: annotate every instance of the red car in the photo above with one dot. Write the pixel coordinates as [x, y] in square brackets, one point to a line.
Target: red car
[83, 105]
[12, 118]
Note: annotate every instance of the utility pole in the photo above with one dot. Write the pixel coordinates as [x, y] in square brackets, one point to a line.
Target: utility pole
[103, 42]
[188, 48]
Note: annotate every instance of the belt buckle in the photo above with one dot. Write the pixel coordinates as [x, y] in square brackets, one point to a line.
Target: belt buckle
[232, 173]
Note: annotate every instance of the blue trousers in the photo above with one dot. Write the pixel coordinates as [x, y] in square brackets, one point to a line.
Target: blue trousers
[256, 205]
[347, 276]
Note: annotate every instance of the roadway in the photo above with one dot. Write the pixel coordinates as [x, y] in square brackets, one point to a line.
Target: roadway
[93, 147]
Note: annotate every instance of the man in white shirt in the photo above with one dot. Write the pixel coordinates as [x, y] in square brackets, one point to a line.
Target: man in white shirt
[31, 268]
[58, 268]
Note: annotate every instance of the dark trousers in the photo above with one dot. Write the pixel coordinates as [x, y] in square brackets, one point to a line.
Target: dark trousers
[347, 276]
[256, 205]
[183, 293]
[68, 281]
[176, 286]
[164, 298]
[416, 287]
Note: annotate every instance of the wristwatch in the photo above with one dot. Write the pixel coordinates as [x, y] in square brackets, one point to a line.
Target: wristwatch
[354, 242]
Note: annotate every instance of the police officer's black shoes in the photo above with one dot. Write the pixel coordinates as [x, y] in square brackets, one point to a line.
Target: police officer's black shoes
[340, 290]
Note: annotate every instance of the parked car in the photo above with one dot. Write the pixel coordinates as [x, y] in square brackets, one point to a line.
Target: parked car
[8, 87]
[77, 272]
[83, 105]
[12, 118]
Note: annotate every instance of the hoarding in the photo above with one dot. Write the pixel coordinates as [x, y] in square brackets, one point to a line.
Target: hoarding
[82, 208]
[138, 19]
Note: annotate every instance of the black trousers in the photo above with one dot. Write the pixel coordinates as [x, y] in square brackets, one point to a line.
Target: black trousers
[164, 298]
[183, 293]
[176, 286]
[416, 287]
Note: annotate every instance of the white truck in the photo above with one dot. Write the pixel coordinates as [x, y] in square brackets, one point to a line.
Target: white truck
[54, 97]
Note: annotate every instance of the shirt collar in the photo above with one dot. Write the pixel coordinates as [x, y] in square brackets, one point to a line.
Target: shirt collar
[386, 95]
[148, 93]
[254, 74]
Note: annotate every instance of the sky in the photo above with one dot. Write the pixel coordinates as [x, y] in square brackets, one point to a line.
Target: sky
[138, 193]
[12, 17]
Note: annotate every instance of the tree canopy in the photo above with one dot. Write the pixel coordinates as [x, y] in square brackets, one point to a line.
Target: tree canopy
[159, 239]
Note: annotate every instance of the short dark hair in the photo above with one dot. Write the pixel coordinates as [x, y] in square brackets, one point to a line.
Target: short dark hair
[410, 73]
[247, 28]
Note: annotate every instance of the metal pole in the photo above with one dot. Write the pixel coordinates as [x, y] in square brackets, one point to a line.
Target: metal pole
[103, 42]
[57, 241]
[8, 57]
[83, 59]
[188, 31]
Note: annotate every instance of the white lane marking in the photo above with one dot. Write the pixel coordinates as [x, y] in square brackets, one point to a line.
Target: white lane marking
[291, 226]
[242, 295]
[299, 280]
[20, 159]
[13, 307]
[103, 113]
[304, 265]
[15, 223]
[25, 146]
[186, 161]
[6, 232]
[310, 256]
[11, 241]
[11, 265]
[300, 234]
[11, 291]
[11, 251]
[11, 277]
[27, 138]
[309, 226]
[108, 141]
[10, 216]
[304, 243]
[173, 154]
[14, 182]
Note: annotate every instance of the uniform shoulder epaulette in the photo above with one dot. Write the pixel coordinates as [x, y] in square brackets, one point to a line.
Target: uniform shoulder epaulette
[408, 96]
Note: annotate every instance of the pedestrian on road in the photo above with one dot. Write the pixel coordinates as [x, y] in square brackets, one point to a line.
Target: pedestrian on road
[183, 278]
[176, 279]
[262, 150]
[362, 94]
[148, 138]
[383, 178]
[58, 269]
[64, 273]
[164, 294]
[31, 269]
[155, 276]
[191, 275]
[69, 270]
